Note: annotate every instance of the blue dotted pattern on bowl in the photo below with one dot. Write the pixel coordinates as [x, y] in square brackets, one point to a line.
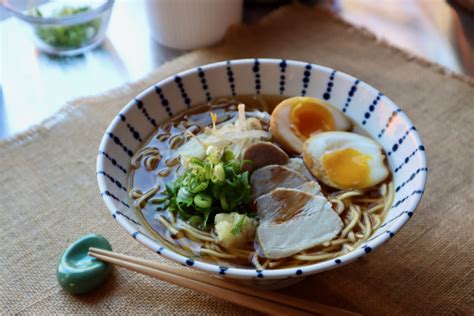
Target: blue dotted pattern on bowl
[164, 101]
[330, 84]
[184, 95]
[230, 78]
[306, 78]
[204, 85]
[282, 65]
[256, 70]
[350, 95]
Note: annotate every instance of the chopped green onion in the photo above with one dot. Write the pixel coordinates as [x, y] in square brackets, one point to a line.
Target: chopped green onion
[68, 36]
[219, 174]
[184, 196]
[238, 226]
[199, 187]
[224, 204]
[202, 200]
[209, 186]
[195, 221]
[228, 155]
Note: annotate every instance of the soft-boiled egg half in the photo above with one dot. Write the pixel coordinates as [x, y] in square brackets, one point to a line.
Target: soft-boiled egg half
[345, 160]
[294, 120]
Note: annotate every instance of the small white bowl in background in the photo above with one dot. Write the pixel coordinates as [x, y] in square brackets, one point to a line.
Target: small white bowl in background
[190, 24]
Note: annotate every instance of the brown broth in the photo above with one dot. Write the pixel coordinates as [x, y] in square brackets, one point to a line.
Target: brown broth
[144, 180]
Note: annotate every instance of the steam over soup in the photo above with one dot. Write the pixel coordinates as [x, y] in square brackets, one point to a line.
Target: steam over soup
[261, 182]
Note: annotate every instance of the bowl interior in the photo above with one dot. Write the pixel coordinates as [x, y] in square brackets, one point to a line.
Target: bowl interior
[366, 106]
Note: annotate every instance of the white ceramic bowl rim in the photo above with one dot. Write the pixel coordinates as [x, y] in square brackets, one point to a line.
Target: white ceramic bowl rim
[246, 273]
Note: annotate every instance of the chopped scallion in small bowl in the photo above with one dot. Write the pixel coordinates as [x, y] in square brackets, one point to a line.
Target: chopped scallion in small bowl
[65, 27]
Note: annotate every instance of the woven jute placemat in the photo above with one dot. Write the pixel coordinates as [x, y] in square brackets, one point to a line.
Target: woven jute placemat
[49, 195]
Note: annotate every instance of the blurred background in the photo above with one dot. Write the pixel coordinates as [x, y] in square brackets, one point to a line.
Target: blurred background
[34, 84]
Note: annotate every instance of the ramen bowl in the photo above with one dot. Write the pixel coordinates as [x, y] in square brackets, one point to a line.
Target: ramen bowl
[368, 108]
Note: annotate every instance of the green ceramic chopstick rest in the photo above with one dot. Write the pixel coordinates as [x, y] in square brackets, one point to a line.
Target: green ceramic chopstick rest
[76, 271]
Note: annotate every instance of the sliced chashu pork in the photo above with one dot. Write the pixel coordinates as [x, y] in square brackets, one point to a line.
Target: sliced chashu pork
[262, 154]
[292, 220]
[298, 165]
[311, 187]
[265, 179]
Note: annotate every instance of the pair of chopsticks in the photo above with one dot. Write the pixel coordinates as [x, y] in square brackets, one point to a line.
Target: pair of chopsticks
[268, 302]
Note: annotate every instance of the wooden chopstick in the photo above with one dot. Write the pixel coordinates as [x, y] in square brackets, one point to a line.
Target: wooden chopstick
[264, 301]
[228, 295]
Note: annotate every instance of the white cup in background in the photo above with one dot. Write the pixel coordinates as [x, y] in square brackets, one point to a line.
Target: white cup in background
[189, 24]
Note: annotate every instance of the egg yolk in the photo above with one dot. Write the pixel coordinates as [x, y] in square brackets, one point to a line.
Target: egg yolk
[347, 168]
[310, 117]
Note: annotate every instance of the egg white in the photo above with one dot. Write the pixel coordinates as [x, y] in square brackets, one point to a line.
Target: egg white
[318, 145]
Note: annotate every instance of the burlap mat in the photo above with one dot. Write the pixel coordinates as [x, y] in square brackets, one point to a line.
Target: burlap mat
[49, 195]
